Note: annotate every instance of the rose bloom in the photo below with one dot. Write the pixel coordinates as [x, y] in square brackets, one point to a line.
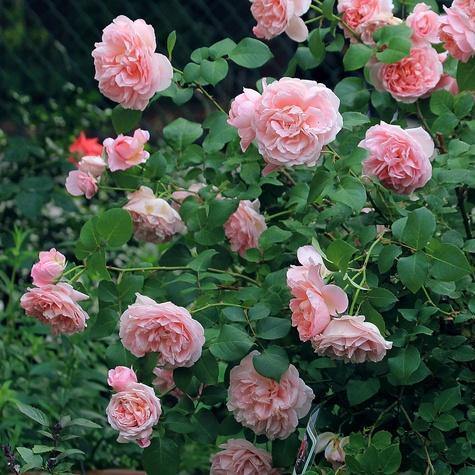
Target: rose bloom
[154, 219]
[264, 405]
[314, 301]
[411, 77]
[245, 226]
[242, 114]
[357, 12]
[125, 152]
[92, 164]
[56, 305]
[133, 412]
[278, 16]
[240, 457]
[447, 83]
[165, 383]
[308, 257]
[399, 158]
[457, 31]
[83, 146]
[367, 29]
[424, 23]
[79, 183]
[49, 268]
[121, 377]
[351, 339]
[128, 69]
[294, 120]
[333, 446]
[163, 328]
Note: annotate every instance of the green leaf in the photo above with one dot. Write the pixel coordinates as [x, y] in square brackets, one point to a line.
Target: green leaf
[272, 328]
[250, 53]
[259, 311]
[220, 211]
[81, 422]
[339, 253]
[171, 41]
[441, 102]
[413, 271]
[316, 46]
[356, 56]
[191, 72]
[273, 235]
[353, 95]
[162, 457]
[104, 323]
[203, 260]
[199, 54]
[391, 459]
[351, 193]
[445, 422]
[117, 355]
[466, 75]
[115, 227]
[221, 48]
[449, 263]
[207, 425]
[447, 400]
[354, 119]
[387, 256]
[419, 228]
[206, 368]
[359, 391]
[445, 124]
[234, 314]
[273, 362]
[182, 132]
[96, 266]
[214, 71]
[394, 41]
[33, 413]
[403, 365]
[381, 298]
[320, 181]
[283, 451]
[232, 344]
[125, 120]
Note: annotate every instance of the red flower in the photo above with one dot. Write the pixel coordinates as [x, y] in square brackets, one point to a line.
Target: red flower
[83, 146]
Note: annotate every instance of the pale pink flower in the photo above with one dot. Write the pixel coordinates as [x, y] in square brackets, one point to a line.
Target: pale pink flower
[49, 268]
[120, 377]
[424, 23]
[79, 183]
[128, 69]
[245, 226]
[308, 257]
[265, 405]
[399, 158]
[294, 119]
[93, 165]
[333, 446]
[411, 77]
[181, 195]
[242, 114]
[447, 83]
[133, 412]
[125, 152]
[163, 328]
[367, 29]
[351, 339]
[314, 301]
[278, 16]
[165, 383]
[56, 305]
[154, 219]
[457, 31]
[240, 457]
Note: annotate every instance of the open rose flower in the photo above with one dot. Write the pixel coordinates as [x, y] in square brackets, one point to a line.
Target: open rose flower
[240, 457]
[163, 328]
[411, 77]
[125, 152]
[265, 405]
[294, 119]
[56, 305]
[278, 16]
[351, 339]
[49, 268]
[133, 412]
[242, 114]
[245, 226]
[333, 446]
[120, 377]
[128, 69]
[308, 257]
[93, 165]
[82, 146]
[399, 158]
[80, 183]
[314, 301]
[457, 31]
[424, 23]
[154, 219]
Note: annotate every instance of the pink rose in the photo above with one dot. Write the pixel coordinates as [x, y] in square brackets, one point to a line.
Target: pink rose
[424, 23]
[120, 377]
[264, 405]
[357, 12]
[314, 301]
[165, 383]
[447, 83]
[294, 120]
[245, 226]
[79, 183]
[242, 114]
[308, 257]
[56, 305]
[278, 16]
[125, 152]
[409, 78]
[49, 268]
[154, 219]
[181, 195]
[83, 146]
[367, 29]
[163, 328]
[333, 446]
[133, 412]
[399, 158]
[127, 68]
[240, 457]
[351, 339]
[92, 164]
[457, 31]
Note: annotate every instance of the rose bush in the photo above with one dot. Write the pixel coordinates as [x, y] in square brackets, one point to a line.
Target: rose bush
[308, 245]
